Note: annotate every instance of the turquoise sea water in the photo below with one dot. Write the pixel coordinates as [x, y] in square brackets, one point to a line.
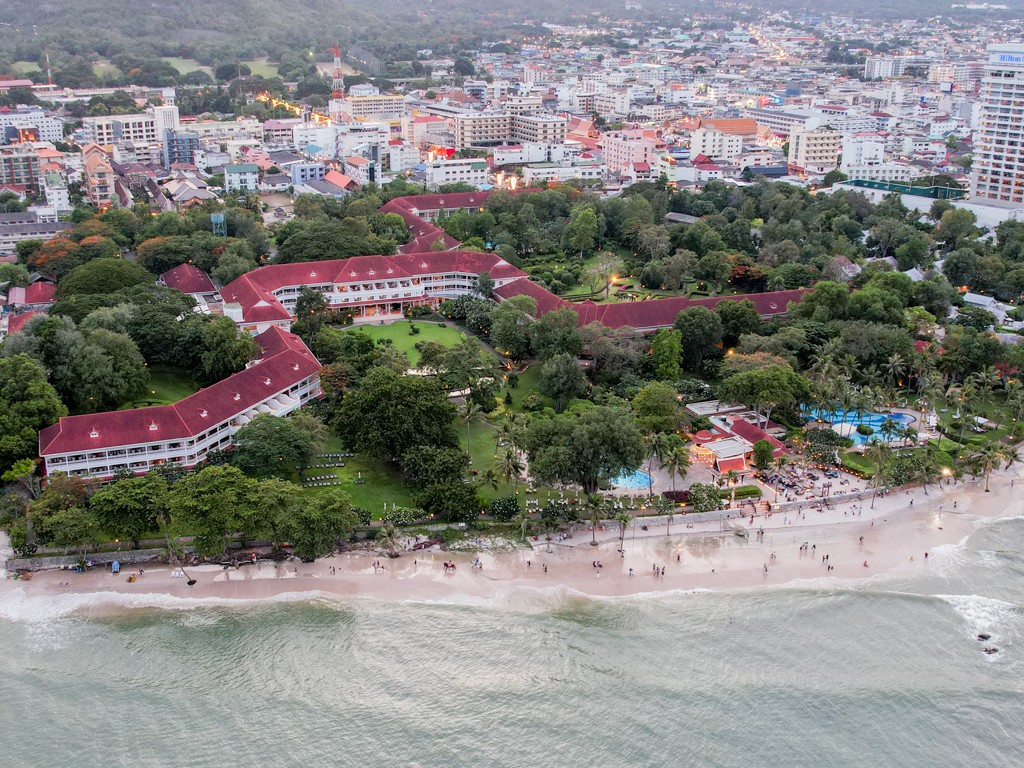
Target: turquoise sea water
[881, 673]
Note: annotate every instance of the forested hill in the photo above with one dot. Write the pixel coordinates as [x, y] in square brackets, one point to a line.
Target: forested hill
[266, 25]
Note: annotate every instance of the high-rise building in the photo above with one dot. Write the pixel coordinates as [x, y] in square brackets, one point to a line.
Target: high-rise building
[998, 168]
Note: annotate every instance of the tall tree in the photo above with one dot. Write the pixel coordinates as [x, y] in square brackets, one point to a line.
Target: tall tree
[391, 413]
[556, 333]
[562, 379]
[131, 507]
[315, 528]
[269, 446]
[586, 448]
[700, 329]
[28, 403]
[666, 353]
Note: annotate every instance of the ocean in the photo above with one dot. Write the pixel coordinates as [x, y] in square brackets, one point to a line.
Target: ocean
[884, 672]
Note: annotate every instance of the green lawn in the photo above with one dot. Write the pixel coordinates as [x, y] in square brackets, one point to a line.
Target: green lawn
[262, 67]
[184, 66]
[166, 386]
[403, 341]
[21, 67]
[383, 483]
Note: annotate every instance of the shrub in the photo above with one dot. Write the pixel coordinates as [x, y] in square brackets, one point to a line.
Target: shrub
[364, 515]
[742, 492]
[533, 403]
[864, 429]
[402, 515]
[680, 497]
[504, 509]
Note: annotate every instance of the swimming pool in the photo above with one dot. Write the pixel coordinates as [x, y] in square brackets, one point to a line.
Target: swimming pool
[852, 420]
[637, 479]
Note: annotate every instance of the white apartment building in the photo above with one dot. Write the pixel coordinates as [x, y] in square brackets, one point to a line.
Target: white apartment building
[998, 169]
[242, 178]
[468, 171]
[381, 106]
[98, 445]
[56, 192]
[561, 173]
[145, 128]
[715, 144]
[624, 148]
[882, 67]
[47, 128]
[816, 151]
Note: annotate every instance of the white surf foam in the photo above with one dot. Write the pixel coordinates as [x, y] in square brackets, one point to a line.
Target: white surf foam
[16, 605]
[984, 614]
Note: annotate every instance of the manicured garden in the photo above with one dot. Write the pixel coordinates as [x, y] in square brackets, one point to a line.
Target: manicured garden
[166, 387]
[401, 338]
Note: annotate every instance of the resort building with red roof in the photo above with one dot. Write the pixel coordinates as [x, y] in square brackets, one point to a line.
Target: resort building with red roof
[98, 445]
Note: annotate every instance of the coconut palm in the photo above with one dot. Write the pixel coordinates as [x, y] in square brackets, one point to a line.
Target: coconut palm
[470, 412]
[388, 538]
[888, 430]
[659, 445]
[926, 474]
[623, 519]
[512, 467]
[894, 368]
[989, 458]
[522, 519]
[677, 462]
[880, 454]
[490, 478]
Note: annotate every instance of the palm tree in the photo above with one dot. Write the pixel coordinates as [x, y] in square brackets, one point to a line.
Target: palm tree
[880, 454]
[470, 412]
[888, 430]
[490, 478]
[989, 458]
[388, 538]
[780, 464]
[926, 475]
[623, 519]
[894, 368]
[512, 468]
[659, 445]
[522, 519]
[730, 478]
[677, 462]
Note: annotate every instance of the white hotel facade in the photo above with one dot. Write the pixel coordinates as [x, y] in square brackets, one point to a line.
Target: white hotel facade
[99, 445]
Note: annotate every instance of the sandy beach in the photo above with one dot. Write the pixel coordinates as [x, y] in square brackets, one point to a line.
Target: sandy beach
[896, 534]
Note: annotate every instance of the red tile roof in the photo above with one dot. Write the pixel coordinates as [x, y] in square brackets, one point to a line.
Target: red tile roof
[17, 322]
[254, 290]
[285, 362]
[752, 434]
[653, 313]
[188, 279]
[738, 464]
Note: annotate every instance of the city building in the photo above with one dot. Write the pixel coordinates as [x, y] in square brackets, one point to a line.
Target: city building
[98, 177]
[242, 178]
[814, 152]
[466, 171]
[32, 121]
[16, 228]
[716, 144]
[19, 165]
[998, 168]
[882, 67]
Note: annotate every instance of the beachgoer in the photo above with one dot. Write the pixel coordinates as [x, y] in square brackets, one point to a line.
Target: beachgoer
[630, 571]
[865, 563]
[545, 569]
